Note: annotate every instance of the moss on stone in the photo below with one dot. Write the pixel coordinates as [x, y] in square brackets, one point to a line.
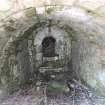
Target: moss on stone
[49, 10]
[57, 87]
[70, 32]
[30, 12]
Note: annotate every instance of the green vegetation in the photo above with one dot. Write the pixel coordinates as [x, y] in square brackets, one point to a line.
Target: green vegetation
[49, 10]
[30, 12]
[57, 87]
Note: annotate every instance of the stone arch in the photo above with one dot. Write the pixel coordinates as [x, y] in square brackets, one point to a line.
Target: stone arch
[80, 48]
[62, 45]
[20, 46]
[25, 35]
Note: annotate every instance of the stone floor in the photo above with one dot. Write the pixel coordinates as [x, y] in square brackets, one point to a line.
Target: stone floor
[78, 95]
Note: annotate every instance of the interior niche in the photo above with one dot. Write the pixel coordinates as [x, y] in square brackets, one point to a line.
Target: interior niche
[48, 47]
[53, 49]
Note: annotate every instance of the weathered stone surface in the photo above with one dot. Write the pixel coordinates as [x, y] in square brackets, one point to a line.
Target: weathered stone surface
[83, 24]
